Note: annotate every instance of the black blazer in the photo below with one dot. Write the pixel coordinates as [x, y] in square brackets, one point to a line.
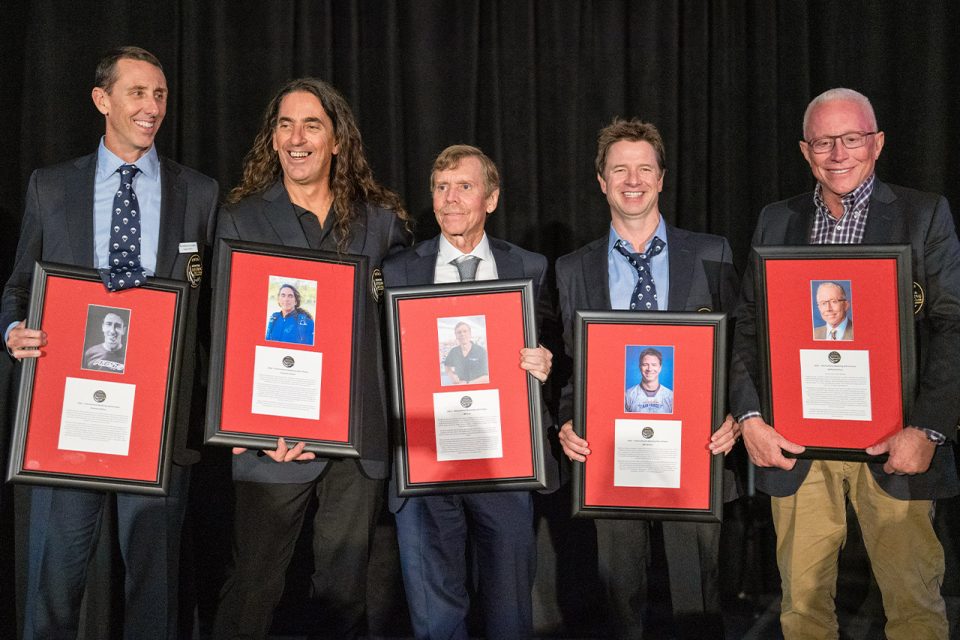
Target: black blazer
[416, 266]
[702, 278]
[270, 217]
[897, 215]
[58, 227]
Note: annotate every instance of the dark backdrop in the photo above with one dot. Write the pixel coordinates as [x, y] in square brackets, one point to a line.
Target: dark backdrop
[529, 82]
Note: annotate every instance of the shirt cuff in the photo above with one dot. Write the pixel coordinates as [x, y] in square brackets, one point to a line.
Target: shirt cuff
[749, 414]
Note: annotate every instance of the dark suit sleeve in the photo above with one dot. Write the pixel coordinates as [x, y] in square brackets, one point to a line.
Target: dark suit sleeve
[744, 365]
[16, 293]
[937, 403]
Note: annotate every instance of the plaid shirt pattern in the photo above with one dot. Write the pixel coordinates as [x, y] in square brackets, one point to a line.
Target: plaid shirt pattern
[851, 225]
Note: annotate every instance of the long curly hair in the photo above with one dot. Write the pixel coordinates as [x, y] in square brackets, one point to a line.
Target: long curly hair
[351, 179]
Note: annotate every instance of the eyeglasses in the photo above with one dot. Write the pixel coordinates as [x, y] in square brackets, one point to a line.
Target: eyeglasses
[832, 302]
[851, 140]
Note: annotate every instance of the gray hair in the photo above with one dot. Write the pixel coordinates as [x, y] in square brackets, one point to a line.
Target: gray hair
[840, 93]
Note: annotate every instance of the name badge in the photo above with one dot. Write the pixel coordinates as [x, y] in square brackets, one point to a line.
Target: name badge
[188, 247]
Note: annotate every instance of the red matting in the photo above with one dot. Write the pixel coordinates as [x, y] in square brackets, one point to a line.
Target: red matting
[692, 406]
[149, 339]
[246, 329]
[417, 319]
[875, 314]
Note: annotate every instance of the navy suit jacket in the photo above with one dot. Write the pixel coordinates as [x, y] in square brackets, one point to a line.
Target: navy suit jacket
[897, 215]
[702, 278]
[270, 217]
[417, 265]
[58, 227]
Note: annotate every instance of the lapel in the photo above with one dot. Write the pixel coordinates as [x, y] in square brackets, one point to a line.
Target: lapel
[800, 223]
[282, 217]
[173, 208]
[509, 265]
[883, 217]
[358, 231]
[422, 270]
[78, 209]
[682, 265]
[596, 276]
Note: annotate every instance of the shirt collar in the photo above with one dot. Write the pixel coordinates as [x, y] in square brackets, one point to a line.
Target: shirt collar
[448, 252]
[856, 198]
[108, 162]
[613, 236]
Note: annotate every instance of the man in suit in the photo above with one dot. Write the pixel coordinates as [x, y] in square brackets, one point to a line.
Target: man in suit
[68, 218]
[644, 264]
[306, 183]
[892, 500]
[432, 530]
[834, 307]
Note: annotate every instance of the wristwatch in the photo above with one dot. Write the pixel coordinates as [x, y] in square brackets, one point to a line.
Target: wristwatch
[935, 437]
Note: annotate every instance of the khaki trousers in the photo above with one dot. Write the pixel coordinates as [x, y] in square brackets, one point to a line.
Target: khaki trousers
[905, 554]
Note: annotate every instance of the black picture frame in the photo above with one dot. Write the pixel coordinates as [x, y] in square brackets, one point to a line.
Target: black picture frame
[900, 256]
[245, 433]
[58, 363]
[401, 378]
[647, 503]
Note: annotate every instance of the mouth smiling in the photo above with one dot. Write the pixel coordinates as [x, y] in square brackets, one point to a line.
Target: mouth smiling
[298, 155]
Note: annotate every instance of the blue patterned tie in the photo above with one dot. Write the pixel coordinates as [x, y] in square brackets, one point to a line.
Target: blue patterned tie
[644, 296]
[125, 270]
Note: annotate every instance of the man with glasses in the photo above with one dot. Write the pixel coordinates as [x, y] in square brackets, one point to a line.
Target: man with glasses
[833, 306]
[893, 500]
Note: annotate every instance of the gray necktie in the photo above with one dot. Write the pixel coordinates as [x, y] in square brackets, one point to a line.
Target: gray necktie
[466, 267]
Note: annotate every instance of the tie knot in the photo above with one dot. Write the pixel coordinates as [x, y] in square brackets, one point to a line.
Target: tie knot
[466, 267]
[127, 172]
[656, 246]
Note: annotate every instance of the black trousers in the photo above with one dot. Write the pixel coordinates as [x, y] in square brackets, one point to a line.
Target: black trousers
[268, 519]
[692, 551]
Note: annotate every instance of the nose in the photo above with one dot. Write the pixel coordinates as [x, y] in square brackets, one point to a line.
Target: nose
[839, 151]
[451, 194]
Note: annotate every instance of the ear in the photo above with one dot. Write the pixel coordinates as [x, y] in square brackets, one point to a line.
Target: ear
[877, 144]
[101, 100]
[603, 183]
[492, 201]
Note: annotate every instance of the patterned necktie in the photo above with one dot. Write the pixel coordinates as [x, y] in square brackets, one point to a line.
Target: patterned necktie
[466, 267]
[833, 334]
[124, 270]
[644, 296]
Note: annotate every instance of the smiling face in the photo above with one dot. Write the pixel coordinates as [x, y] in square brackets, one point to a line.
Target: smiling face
[841, 170]
[650, 370]
[461, 204]
[304, 140]
[287, 300]
[832, 303]
[133, 108]
[113, 330]
[632, 180]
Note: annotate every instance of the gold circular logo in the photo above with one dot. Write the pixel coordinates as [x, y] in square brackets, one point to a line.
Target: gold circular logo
[376, 284]
[194, 270]
[919, 297]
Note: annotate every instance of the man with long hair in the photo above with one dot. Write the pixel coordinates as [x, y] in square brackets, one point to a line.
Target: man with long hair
[306, 183]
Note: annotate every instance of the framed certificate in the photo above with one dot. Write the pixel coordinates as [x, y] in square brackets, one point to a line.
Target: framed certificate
[835, 331]
[97, 409]
[648, 394]
[287, 333]
[468, 416]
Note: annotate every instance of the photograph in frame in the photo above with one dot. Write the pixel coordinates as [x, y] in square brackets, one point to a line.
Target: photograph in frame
[649, 418]
[835, 390]
[109, 384]
[279, 368]
[481, 432]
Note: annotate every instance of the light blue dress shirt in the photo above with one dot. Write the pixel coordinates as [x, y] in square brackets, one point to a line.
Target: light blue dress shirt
[623, 277]
[146, 184]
